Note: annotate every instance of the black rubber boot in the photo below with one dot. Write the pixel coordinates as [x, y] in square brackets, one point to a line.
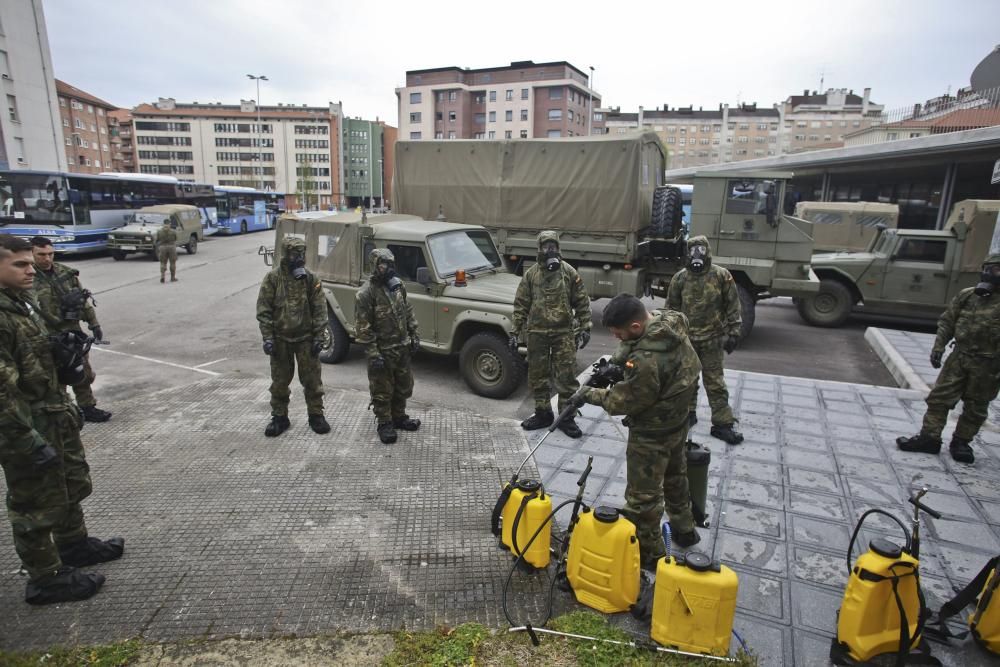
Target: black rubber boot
[542, 418]
[685, 540]
[692, 419]
[923, 444]
[387, 433]
[961, 451]
[66, 585]
[277, 426]
[319, 424]
[406, 423]
[92, 413]
[570, 428]
[727, 434]
[90, 551]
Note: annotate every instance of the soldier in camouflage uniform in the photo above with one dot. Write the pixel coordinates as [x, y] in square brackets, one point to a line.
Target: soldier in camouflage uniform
[166, 248]
[40, 450]
[971, 372]
[63, 302]
[385, 325]
[291, 311]
[551, 315]
[707, 295]
[660, 375]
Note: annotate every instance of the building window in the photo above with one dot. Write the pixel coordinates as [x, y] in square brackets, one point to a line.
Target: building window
[415, 117]
[524, 93]
[892, 136]
[555, 93]
[479, 119]
[452, 116]
[12, 107]
[761, 126]
[415, 98]
[507, 134]
[452, 95]
[509, 116]
[524, 114]
[671, 140]
[414, 136]
[100, 111]
[801, 123]
[69, 142]
[479, 135]
[439, 135]
[65, 122]
[555, 114]
[600, 116]
[441, 96]
[524, 134]
[509, 94]
[554, 134]
[451, 135]
[493, 116]
[493, 134]
[480, 99]
[493, 96]
[913, 135]
[62, 100]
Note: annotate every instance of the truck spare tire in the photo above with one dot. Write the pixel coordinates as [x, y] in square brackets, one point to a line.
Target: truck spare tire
[668, 212]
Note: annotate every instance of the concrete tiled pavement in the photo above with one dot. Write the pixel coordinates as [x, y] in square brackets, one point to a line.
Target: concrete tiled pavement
[232, 534]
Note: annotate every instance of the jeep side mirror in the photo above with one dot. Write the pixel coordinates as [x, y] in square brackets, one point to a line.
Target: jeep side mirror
[424, 276]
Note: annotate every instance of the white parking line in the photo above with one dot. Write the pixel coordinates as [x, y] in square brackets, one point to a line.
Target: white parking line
[209, 363]
[155, 361]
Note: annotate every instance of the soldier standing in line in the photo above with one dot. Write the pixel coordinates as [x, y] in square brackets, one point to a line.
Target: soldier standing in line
[972, 371]
[552, 316]
[166, 246]
[63, 302]
[291, 311]
[40, 450]
[707, 295]
[660, 375]
[385, 324]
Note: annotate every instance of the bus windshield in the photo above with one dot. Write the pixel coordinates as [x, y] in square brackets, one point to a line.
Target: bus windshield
[34, 198]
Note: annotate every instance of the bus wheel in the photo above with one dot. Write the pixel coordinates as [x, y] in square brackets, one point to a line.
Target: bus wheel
[192, 246]
[243, 227]
[118, 255]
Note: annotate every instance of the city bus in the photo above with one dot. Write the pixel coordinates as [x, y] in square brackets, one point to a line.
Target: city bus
[240, 210]
[78, 210]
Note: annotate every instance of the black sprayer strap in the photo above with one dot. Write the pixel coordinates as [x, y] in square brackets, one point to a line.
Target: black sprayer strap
[498, 508]
[968, 594]
[517, 519]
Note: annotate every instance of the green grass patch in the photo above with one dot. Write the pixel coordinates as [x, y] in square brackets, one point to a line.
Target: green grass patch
[111, 655]
[441, 648]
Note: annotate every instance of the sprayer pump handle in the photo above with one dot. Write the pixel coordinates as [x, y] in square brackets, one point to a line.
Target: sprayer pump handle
[919, 505]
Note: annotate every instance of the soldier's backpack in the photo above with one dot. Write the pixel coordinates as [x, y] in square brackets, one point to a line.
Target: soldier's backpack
[984, 622]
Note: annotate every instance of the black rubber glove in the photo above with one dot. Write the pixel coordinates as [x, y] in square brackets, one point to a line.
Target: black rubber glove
[414, 343]
[376, 363]
[44, 457]
[512, 342]
[98, 333]
[936, 357]
[268, 347]
[317, 346]
[582, 339]
[730, 344]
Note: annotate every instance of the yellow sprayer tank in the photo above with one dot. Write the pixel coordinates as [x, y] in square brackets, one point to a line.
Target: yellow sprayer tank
[985, 620]
[694, 602]
[528, 506]
[603, 562]
[868, 624]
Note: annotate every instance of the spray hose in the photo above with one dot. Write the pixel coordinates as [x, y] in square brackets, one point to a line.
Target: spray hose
[857, 528]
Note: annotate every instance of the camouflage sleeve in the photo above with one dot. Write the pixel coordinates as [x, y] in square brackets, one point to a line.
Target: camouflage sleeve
[946, 323]
[89, 314]
[364, 319]
[731, 305]
[522, 304]
[19, 435]
[411, 319]
[317, 305]
[265, 307]
[580, 301]
[674, 292]
[638, 392]
[620, 354]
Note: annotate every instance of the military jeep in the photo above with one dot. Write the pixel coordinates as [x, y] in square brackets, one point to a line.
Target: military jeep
[139, 232]
[462, 296]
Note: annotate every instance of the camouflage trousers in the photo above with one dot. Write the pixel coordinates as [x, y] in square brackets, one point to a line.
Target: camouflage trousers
[974, 380]
[392, 385]
[168, 253]
[84, 394]
[656, 469]
[44, 507]
[283, 361]
[552, 358]
[712, 374]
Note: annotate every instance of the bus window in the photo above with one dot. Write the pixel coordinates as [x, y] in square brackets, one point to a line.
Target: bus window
[38, 198]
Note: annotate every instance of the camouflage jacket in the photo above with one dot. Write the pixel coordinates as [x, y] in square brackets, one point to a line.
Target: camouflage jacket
[165, 235]
[974, 322]
[49, 290]
[709, 299]
[289, 309]
[551, 301]
[28, 380]
[661, 367]
[383, 319]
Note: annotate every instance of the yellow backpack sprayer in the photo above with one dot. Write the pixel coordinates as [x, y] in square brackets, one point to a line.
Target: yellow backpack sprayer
[883, 610]
[984, 621]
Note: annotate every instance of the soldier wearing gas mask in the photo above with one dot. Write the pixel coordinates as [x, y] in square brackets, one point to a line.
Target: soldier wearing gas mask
[41, 453]
[385, 325]
[291, 311]
[552, 316]
[971, 372]
[64, 303]
[706, 293]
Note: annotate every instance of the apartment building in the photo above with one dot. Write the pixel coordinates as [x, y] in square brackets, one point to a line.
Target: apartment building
[368, 150]
[86, 137]
[30, 135]
[813, 121]
[522, 100]
[122, 135]
[293, 149]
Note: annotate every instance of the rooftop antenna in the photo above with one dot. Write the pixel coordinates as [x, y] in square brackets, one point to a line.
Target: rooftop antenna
[822, 77]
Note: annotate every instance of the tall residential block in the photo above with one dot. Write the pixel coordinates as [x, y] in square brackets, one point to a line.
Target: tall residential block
[522, 100]
[85, 131]
[368, 149]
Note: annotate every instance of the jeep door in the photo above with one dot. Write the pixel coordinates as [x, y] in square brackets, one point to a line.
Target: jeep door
[409, 258]
[915, 272]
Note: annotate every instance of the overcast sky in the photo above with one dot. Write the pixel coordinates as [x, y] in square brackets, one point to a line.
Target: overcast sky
[701, 53]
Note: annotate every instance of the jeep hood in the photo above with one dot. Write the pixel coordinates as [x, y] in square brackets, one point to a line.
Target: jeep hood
[137, 228]
[493, 288]
[842, 258]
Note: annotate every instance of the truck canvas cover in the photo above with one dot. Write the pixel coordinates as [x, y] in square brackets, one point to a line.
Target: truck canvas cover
[980, 216]
[850, 227]
[594, 184]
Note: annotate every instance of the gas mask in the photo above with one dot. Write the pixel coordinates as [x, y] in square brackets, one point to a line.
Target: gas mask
[69, 351]
[698, 258]
[71, 304]
[389, 277]
[550, 251]
[989, 279]
[297, 265]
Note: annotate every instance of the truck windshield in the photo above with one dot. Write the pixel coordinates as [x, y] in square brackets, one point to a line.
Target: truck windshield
[471, 250]
[147, 218]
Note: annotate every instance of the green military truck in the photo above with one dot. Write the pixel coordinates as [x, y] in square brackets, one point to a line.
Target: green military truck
[620, 226]
[846, 226]
[461, 293]
[903, 272]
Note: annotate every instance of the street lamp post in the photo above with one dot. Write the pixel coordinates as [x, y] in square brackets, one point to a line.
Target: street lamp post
[381, 185]
[260, 150]
[590, 103]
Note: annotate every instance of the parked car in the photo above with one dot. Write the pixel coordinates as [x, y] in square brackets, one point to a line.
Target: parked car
[139, 235]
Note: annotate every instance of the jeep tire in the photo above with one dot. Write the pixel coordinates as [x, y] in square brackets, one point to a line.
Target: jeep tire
[118, 255]
[192, 245]
[748, 311]
[340, 343]
[489, 366]
[830, 307]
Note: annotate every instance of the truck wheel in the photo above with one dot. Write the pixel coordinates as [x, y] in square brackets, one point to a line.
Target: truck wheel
[748, 311]
[118, 255]
[830, 307]
[340, 346]
[667, 212]
[489, 367]
[192, 246]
